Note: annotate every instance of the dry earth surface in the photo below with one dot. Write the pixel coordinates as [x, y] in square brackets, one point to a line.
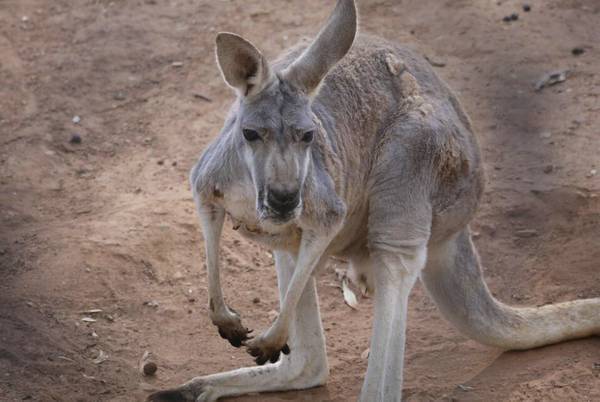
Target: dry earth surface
[109, 223]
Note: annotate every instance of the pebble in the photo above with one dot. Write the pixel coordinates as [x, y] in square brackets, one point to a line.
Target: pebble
[577, 51]
[592, 173]
[151, 303]
[526, 8]
[120, 96]
[177, 64]
[256, 300]
[514, 16]
[548, 169]
[76, 119]
[75, 139]
[160, 162]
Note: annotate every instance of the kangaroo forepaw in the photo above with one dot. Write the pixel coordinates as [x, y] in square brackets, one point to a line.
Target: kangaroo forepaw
[237, 335]
[230, 327]
[264, 351]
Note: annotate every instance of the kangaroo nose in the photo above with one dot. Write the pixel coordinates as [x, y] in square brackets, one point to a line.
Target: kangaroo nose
[283, 202]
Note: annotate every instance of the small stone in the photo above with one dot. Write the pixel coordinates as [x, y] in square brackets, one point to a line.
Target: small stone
[174, 163]
[548, 169]
[514, 16]
[75, 139]
[591, 173]
[526, 8]
[506, 18]
[177, 64]
[24, 18]
[76, 119]
[160, 162]
[256, 300]
[151, 303]
[577, 51]
[120, 96]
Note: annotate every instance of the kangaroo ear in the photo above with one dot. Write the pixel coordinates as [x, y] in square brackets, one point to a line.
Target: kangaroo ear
[332, 43]
[243, 66]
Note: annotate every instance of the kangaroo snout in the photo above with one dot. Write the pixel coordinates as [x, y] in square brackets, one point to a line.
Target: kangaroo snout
[283, 202]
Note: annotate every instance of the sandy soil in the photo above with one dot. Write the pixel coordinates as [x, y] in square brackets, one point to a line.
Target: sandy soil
[109, 223]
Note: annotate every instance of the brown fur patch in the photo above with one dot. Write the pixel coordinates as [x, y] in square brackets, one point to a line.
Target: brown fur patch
[450, 161]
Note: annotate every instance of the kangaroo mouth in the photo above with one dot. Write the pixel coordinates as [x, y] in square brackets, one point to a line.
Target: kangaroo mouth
[278, 217]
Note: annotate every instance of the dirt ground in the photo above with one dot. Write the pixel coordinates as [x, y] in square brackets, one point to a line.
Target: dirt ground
[109, 223]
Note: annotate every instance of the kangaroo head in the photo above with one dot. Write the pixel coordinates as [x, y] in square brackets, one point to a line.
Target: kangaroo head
[271, 120]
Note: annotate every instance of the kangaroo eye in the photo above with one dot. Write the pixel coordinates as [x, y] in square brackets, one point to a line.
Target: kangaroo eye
[308, 136]
[250, 135]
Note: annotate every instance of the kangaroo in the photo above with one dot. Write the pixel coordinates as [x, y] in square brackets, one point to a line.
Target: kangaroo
[352, 147]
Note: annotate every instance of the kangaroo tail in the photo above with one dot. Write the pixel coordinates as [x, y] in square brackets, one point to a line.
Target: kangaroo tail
[454, 279]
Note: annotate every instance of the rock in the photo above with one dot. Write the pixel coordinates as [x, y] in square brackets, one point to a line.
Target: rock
[76, 119]
[591, 173]
[256, 300]
[514, 16]
[548, 169]
[526, 8]
[75, 139]
[177, 64]
[577, 51]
